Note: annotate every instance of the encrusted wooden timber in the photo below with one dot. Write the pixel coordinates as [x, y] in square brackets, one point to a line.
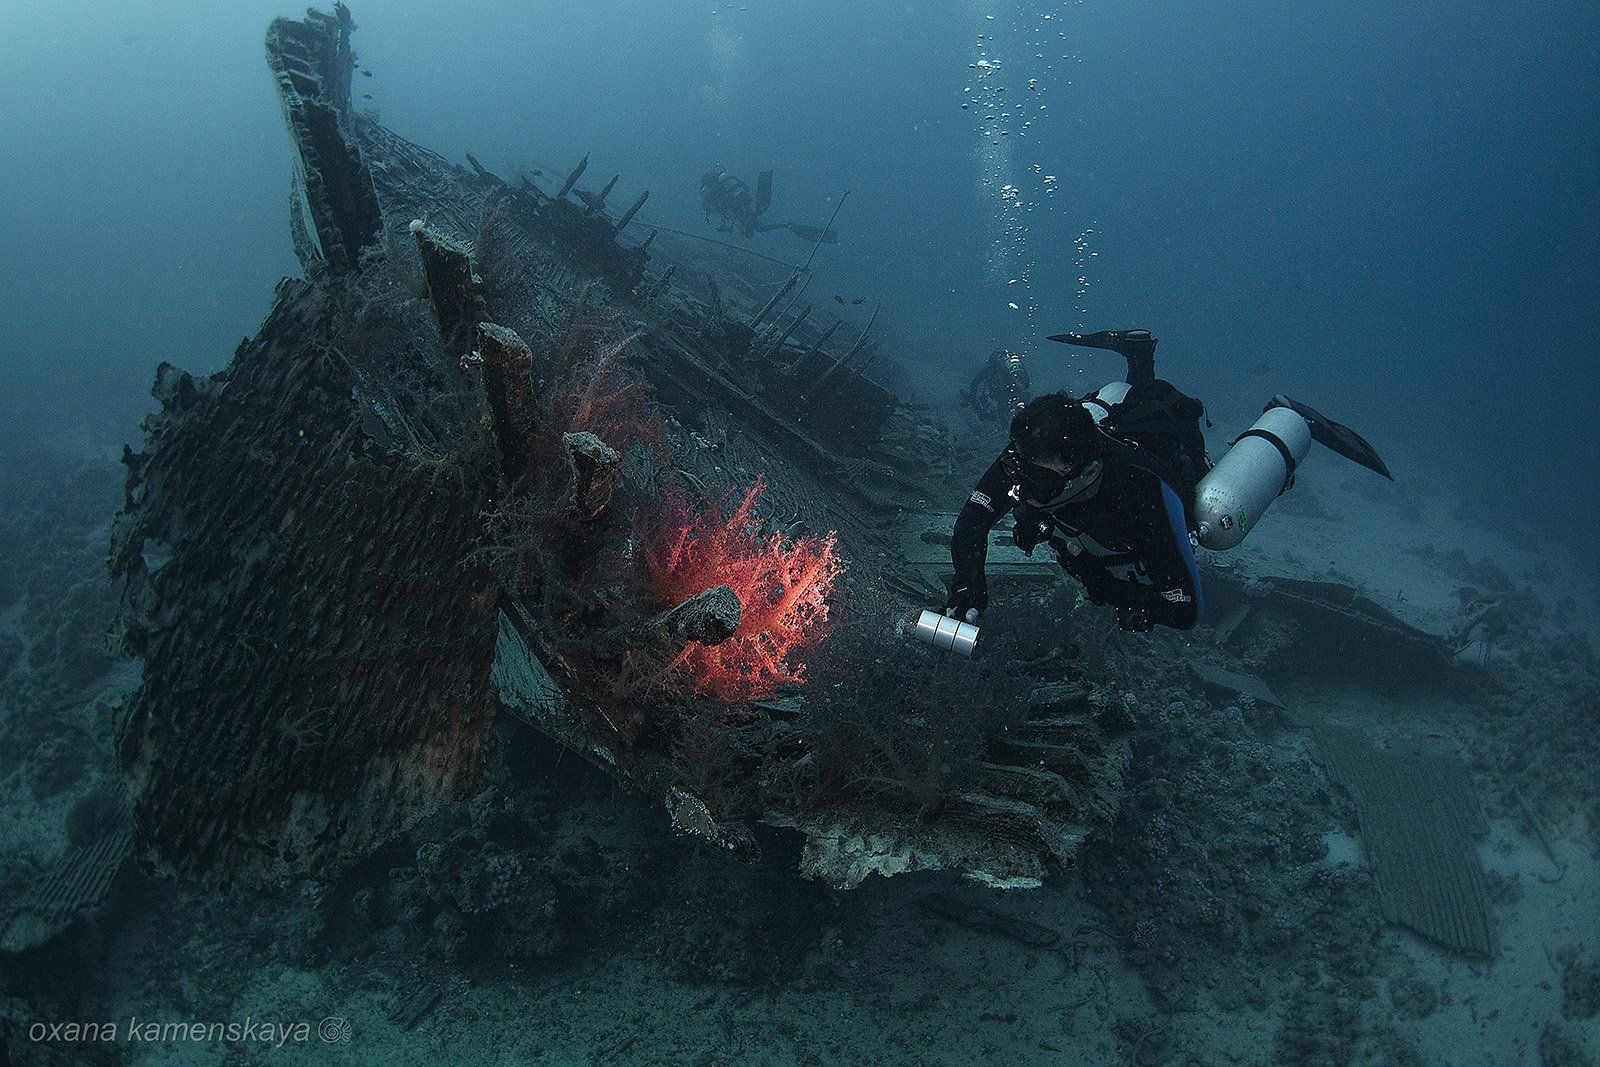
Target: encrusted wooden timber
[452, 289]
[315, 645]
[334, 209]
[1419, 816]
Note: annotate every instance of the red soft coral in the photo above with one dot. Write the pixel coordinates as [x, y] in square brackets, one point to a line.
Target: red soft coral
[783, 587]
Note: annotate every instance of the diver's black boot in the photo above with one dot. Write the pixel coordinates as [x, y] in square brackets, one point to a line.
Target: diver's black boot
[1138, 347]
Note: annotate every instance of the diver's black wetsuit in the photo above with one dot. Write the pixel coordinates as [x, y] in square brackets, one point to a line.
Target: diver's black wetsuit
[1123, 537]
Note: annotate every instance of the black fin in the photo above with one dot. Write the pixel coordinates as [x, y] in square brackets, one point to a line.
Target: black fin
[763, 192]
[1119, 341]
[1340, 438]
[1136, 346]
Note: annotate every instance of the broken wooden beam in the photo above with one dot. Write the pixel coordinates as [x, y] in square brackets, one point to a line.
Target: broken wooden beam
[508, 385]
[718, 309]
[862, 340]
[482, 171]
[816, 346]
[627, 216]
[844, 360]
[755, 323]
[531, 189]
[451, 288]
[660, 284]
[596, 468]
[572, 179]
[783, 338]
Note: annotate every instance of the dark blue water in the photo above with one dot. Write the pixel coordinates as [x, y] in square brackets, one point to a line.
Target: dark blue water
[1388, 211]
[1391, 211]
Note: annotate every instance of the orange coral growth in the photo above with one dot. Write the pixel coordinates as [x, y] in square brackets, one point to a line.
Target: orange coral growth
[782, 585]
[613, 401]
[587, 385]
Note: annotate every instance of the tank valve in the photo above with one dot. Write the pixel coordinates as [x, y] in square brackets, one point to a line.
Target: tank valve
[946, 633]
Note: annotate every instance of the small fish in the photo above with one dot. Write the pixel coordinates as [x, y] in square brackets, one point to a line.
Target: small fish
[366, 73]
[839, 298]
[859, 300]
[366, 96]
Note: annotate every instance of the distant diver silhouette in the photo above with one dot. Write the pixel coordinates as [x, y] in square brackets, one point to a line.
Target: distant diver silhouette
[728, 198]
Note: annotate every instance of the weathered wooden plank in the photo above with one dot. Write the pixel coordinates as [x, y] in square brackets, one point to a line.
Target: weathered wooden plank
[1418, 818]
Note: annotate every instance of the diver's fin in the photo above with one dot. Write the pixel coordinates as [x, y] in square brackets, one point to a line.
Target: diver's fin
[763, 192]
[1341, 439]
[813, 233]
[1122, 342]
[1138, 347]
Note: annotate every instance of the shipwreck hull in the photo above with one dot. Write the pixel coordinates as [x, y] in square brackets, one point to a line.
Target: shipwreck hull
[315, 647]
[324, 645]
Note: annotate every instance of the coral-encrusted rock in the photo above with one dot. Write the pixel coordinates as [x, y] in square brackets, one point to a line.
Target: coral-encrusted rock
[316, 648]
[707, 618]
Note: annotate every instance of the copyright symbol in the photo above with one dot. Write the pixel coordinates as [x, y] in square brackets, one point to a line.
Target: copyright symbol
[334, 1029]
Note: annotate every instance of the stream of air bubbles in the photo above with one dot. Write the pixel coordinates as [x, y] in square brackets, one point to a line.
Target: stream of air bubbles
[1008, 89]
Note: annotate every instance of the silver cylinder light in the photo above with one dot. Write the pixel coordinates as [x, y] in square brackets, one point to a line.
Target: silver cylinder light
[945, 633]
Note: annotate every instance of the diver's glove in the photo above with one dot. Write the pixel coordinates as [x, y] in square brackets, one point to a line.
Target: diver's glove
[1136, 619]
[1029, 532]
[968, 599]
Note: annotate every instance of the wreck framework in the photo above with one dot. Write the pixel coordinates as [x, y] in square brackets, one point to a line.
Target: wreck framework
[323, 652]
[325, 649]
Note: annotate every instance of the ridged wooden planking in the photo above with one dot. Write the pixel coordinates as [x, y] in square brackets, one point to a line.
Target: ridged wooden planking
[1419, 816]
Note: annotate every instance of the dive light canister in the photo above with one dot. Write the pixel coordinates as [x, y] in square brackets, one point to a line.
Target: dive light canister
[945, 633]
[1232, 498]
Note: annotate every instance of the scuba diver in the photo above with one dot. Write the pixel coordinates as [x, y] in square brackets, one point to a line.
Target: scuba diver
[1118, 483]
[999, 388]
[729, 198]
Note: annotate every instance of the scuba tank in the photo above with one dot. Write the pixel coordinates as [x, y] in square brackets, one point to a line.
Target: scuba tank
[1255, 471]
[1233, 496]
